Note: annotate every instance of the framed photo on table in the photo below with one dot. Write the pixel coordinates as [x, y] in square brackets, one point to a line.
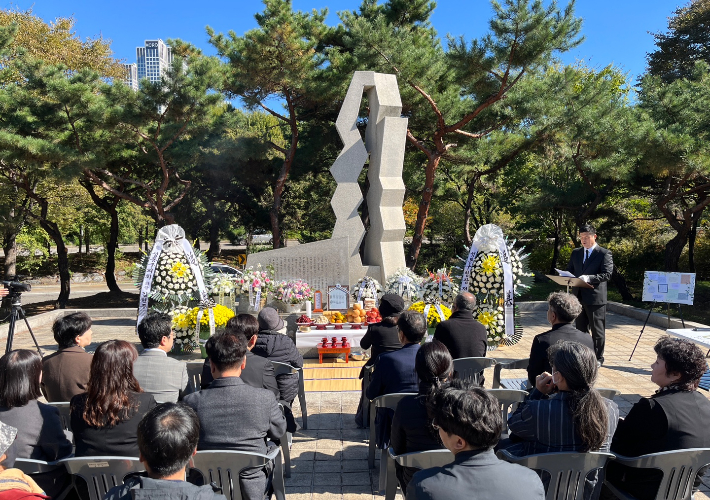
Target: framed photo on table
[338, 297]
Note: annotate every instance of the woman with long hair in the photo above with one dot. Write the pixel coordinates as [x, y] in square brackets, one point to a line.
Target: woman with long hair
[411, 427]
[105, 418]
[575, 416]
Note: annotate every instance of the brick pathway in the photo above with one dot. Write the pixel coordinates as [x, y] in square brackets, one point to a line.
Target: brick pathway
[329, 459]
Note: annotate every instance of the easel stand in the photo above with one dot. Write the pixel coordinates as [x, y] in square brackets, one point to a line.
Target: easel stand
[680, 311]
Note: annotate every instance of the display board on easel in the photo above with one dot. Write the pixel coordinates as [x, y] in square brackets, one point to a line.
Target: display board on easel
[672, 288]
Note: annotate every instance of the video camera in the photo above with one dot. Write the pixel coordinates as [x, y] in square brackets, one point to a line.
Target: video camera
[17, 287]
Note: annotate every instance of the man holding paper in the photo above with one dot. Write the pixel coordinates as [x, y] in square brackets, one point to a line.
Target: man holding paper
[594, 265]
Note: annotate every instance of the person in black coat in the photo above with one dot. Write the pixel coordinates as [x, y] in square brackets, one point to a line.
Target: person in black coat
[411, 426]
[469, 423]
[394, 371]
[380, 337]
[562, 309]
[100, 420]
[276, 346]
[462, 335]
[594, 265]
[258, 372]
[674, 418]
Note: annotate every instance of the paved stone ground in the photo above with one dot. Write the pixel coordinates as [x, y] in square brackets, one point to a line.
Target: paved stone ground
[329, 460]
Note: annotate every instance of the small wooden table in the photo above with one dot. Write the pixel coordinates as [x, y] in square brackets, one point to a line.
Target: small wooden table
[339, 348]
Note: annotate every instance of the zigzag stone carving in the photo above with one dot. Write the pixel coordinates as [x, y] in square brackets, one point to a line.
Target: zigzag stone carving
[385, 139]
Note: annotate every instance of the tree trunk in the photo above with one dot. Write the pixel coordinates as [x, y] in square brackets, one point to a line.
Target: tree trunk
[423, 212]
[10, 248]
[674, 248]
[556, 250]
[81, 238]
[691, 242]
[140, 238]
[145, 241]
[467, 213]
[63, 260]
[620, 282]
[87, 236]
[214, 248]
[111, 252]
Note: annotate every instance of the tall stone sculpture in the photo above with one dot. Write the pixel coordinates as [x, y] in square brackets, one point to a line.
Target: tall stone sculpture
[385, 139]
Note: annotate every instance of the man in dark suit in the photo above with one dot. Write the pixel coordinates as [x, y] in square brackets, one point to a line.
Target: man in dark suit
[163, 377]
[462, 335]
[469, 423]
[258, 372]
[594, 265]
[395, 371]
[234, 415]
[562, 309]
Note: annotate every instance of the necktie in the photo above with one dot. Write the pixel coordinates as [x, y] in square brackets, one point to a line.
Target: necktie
[586, 255]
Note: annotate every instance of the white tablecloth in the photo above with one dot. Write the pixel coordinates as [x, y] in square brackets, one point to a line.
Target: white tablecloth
[701, 338]
[313, 338]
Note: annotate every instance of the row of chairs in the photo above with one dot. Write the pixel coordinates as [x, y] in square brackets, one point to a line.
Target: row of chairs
[195, 374]
[219, 467]
[568, 471]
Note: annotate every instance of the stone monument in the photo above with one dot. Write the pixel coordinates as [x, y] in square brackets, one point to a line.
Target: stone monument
[337, 260]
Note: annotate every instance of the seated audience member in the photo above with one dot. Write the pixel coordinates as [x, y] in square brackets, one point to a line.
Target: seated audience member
[40, 434]
[411, 426]
[469, 423]
[674, 418]
[167, 439]
[66, 372]
[276, 346]
[13, 482]
[462, 334]
[562, 309]
[234, 415]
[157, 374]
[258, 372]
[105, 418]
[381, 337]
[395, 372]
[575, 418]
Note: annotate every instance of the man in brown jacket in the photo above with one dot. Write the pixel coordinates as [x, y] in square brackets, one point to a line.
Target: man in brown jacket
[66, 372]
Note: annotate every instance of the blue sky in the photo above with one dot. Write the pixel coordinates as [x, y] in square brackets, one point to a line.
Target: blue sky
[616, 31]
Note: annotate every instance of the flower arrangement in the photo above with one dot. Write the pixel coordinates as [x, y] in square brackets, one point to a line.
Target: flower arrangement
[293, 291]
[493, 319]
[185, 324]
[173, 281]
[367, 287]
[439, 287]
[259, 279]
[404, 283]
[223, 284]
[433, 316]
[487, 273]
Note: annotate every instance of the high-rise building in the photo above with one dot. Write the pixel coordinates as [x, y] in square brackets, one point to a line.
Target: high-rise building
[131, 75]
[153, 60]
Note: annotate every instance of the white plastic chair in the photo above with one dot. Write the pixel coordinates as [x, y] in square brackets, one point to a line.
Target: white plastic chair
[471, 368]
[285, 369]
[101, 473]
[386, 401]
[417, 460]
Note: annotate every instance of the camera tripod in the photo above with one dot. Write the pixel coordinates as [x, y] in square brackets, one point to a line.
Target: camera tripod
[18, 313]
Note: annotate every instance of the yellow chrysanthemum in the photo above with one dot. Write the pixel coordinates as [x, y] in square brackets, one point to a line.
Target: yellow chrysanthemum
[179, 269]
[221, 313]
[432, 317]
[485, 318]
[490, 264]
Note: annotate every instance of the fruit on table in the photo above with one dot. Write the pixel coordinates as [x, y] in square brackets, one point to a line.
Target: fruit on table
[322, 320]
[356, 314]
[373, 315]
[303, 319]
[337, 317]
